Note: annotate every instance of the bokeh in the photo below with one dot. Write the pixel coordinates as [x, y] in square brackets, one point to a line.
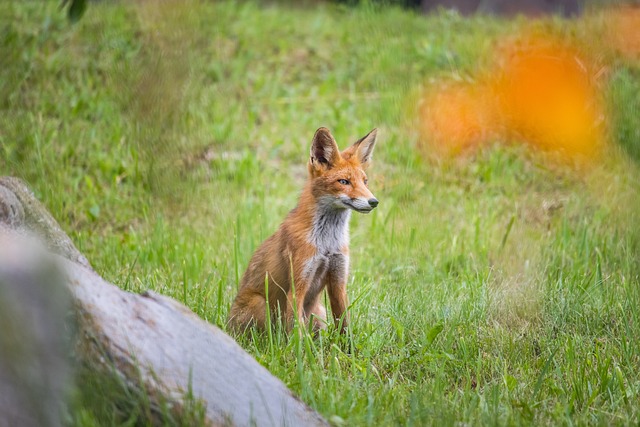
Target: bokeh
[542, 89]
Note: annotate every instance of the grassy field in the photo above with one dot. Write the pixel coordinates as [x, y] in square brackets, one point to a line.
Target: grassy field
[170, 139]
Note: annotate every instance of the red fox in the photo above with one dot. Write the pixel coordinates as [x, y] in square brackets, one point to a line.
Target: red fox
[310, 250]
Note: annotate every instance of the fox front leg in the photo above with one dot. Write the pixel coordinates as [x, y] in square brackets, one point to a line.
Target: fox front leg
[336, 283]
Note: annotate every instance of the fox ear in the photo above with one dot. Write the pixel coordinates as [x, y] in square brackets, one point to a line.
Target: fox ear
[324, 150]
[364, 148]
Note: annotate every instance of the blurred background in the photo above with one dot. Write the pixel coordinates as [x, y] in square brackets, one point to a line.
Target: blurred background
[497, 282]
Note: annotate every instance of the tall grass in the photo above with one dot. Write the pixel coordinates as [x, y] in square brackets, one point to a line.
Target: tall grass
[170, 138]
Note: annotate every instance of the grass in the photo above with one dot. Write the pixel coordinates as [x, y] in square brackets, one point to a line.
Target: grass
[170, 139]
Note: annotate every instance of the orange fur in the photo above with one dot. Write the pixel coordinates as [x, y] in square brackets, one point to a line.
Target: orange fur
[310, 250]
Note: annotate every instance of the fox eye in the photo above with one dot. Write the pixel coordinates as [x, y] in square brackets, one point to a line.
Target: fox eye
[366, 181]
[344, 181]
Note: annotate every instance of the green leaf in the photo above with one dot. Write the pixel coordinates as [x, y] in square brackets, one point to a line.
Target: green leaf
[94, 212]
[434, 332]
[398, 328]
[76, 10]
[510, 381]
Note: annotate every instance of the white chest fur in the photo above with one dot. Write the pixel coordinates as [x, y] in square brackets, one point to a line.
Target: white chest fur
[329, 235]
[330, 232]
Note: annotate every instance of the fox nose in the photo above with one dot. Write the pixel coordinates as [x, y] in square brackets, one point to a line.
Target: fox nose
[373, 202]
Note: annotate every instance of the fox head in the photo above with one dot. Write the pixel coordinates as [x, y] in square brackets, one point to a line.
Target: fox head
[338, 179]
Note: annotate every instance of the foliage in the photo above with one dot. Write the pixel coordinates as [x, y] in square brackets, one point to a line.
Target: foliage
[170, 140]
[76, 8]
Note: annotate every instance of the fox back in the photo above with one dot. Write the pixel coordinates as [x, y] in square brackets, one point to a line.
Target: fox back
[310, 250]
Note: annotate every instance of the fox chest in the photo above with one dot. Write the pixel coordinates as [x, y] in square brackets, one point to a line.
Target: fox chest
[330, 237]
[322, 268]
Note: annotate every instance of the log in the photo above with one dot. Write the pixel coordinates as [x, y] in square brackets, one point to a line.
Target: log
[23, 213]
[150, 341]
[34, 367]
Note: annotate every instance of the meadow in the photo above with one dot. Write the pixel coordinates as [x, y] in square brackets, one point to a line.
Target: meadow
[498, 287]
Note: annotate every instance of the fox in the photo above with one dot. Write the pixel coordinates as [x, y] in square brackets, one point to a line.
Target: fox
[310, 250]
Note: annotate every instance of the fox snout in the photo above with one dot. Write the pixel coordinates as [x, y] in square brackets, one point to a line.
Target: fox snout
[363, 205]
[360, 204]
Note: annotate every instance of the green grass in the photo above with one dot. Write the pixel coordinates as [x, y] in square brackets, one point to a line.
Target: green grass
[498, 289]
